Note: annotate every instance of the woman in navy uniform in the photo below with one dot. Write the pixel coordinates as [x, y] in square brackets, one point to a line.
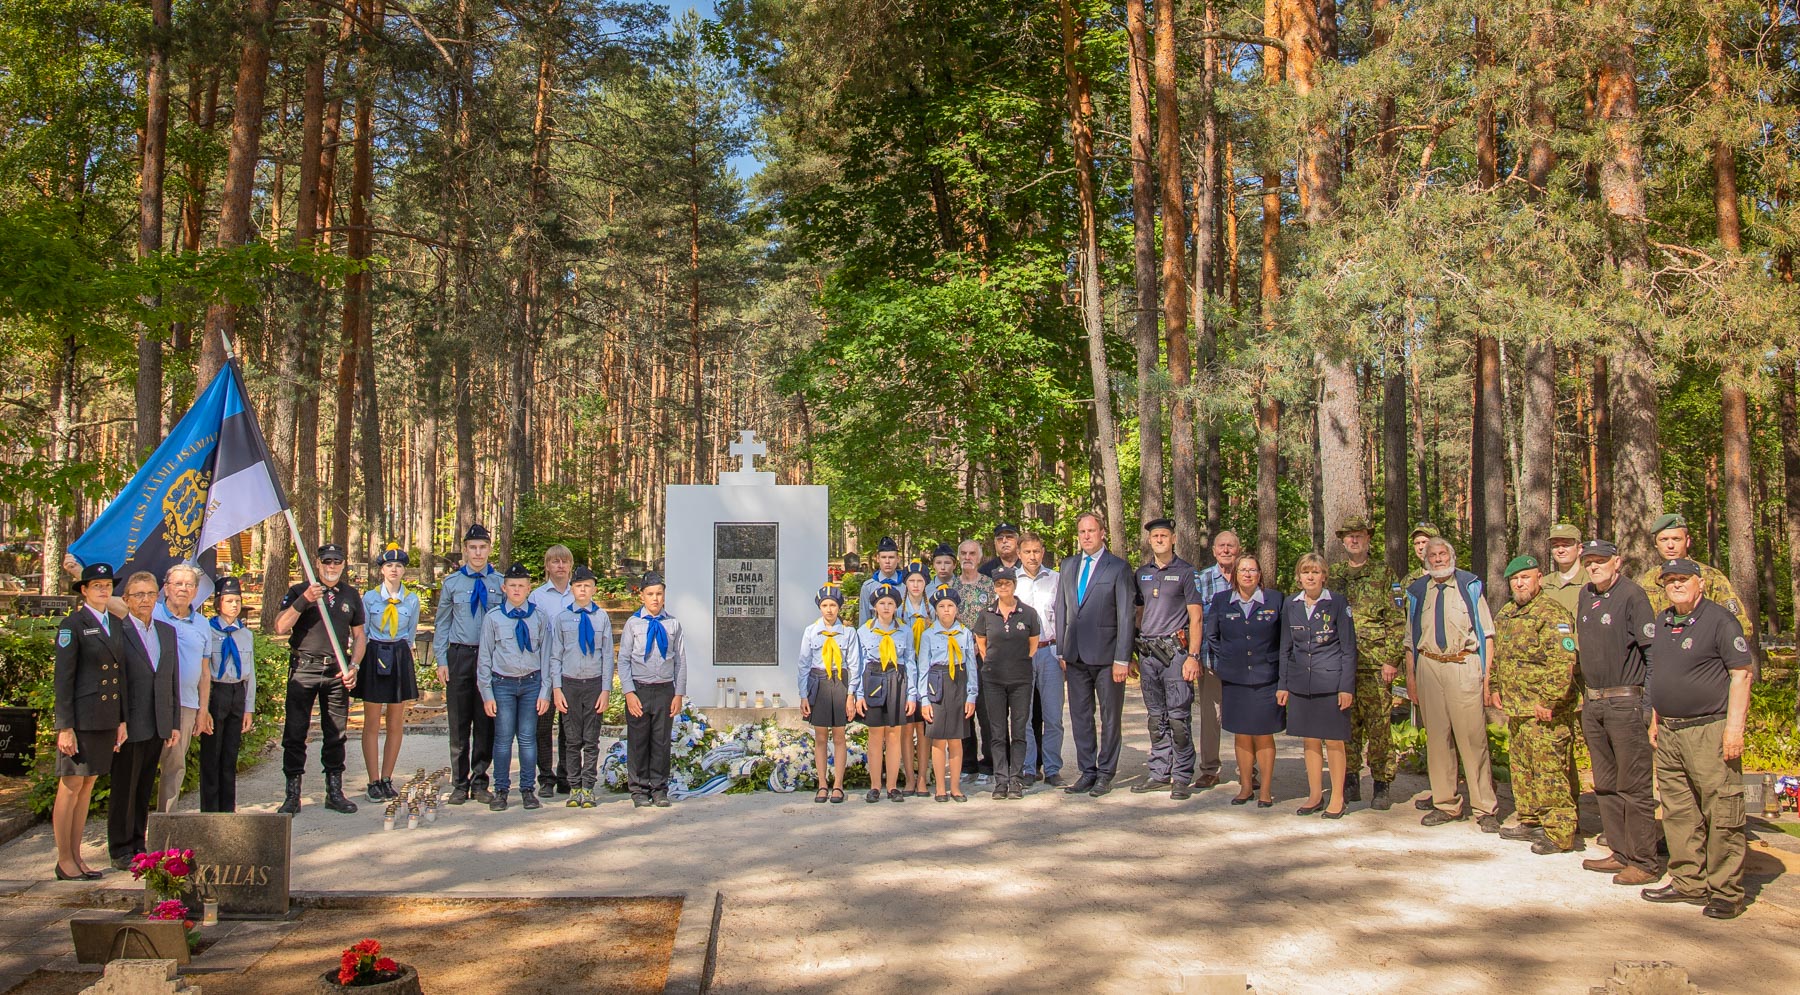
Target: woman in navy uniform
[391, 619]
[1318, 680]
[90, 712]
[1244, 633]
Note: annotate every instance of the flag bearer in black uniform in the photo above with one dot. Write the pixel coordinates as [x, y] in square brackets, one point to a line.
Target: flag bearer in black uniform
[314, 675]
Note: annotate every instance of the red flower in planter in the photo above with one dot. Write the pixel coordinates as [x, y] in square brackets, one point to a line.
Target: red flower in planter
[362, 961]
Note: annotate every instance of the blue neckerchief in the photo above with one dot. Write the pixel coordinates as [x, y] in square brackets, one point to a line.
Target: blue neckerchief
[655, 636]
[521, 631]
[584, 636]
[228, 650]
[896, 580]
[478, 605]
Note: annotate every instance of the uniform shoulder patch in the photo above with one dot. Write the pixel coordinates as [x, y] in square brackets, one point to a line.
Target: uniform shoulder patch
[64, 637]
[1649, 630]
[1740, 645]
[1564, 627]
[1568, 644]
[1731, 605]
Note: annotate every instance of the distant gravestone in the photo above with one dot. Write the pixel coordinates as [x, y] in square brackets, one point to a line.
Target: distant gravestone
[18, 740]
[242, 858]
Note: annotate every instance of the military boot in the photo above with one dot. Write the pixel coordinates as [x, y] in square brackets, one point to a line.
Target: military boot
[291, 804]
[1353, 788]
[334, 795]
[1381, 802]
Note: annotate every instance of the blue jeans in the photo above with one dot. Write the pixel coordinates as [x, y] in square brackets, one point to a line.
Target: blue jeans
[515, 717]
[1048, 678]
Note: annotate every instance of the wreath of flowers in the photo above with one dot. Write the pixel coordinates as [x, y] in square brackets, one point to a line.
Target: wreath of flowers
[705, 759]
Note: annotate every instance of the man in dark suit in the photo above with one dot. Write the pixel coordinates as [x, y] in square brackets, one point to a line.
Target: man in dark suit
[1095, 601]
[152, 711]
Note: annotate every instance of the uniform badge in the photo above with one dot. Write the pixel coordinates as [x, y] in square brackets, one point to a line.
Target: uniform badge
[64, 637]
[1564, 627]
[1568, 644]
[1740, 645]
[1688, 643]
[1731, 605]
[1649, 630]
[1606, 619]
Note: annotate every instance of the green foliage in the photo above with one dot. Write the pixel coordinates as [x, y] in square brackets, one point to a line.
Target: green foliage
[1771, 739]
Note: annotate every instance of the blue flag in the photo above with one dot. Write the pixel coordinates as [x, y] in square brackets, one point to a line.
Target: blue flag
[209, 480]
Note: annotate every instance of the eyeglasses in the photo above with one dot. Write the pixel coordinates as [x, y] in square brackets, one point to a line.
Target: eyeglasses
[141, 594]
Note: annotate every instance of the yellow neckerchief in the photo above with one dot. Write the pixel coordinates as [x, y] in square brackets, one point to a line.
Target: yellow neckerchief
[390, 616]
[953, 649]
[889, 654]
[919, 624]
[832, 655]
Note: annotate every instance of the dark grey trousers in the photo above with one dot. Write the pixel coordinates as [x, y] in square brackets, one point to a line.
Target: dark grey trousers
[581, 730]
[1094, 696]
[1618, 741]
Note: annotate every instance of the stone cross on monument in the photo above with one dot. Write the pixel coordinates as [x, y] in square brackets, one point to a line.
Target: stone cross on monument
[747, 448]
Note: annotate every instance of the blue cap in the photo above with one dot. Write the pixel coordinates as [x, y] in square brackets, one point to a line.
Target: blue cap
[945, 592]
[830, 592]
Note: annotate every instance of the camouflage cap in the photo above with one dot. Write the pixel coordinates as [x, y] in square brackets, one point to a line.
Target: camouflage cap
[1520, 564]
[1424, 529]
[1667, 522]
[1563, 530]
[1355, 523]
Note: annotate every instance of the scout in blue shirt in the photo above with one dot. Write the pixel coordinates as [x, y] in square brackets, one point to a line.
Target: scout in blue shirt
[653, 675]
[887, 574]
[828, 651]
[551, 597]
[515, 643]
[581, 657]
[227, 696]
[915, 616]
[883, 688]
[1318, 681]
[389, 679]
[946, 689]
[464, 600]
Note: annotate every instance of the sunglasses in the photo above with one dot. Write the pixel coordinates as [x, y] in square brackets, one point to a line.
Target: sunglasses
[327, 563]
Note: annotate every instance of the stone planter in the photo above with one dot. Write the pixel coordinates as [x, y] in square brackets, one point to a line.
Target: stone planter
[406, 982]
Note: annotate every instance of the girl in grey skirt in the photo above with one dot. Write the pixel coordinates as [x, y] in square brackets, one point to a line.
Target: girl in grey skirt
[946, 689]
[828, 651]
[883, 689]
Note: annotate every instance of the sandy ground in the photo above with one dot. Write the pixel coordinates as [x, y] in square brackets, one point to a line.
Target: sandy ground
[1055, 892]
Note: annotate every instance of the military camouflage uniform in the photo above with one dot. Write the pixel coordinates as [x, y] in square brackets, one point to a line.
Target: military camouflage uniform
[1714, 586]
[1374, 600]
[1534, 664]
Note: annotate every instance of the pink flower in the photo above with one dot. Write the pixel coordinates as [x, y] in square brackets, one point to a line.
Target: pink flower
[171, 910]
[177, 867]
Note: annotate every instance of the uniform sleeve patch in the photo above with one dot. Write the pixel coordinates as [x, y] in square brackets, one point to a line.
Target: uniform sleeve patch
[64, 637]
[1563, 627]
[1740, 645]
[1649, 630]
[1568, 644]
[1731, 605]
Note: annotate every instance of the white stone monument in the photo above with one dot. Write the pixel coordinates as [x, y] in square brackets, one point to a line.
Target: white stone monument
[743, 559]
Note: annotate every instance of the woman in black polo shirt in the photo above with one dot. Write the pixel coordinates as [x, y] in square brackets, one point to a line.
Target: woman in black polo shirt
[1006, 638]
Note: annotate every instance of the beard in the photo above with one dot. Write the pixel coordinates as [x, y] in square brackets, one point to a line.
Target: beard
[1443, 573]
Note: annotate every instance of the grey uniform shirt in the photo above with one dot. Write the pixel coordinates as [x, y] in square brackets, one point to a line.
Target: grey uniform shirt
[502, 657]
[640, 663]
[1165, 593]
[566, 657]
[456, 622]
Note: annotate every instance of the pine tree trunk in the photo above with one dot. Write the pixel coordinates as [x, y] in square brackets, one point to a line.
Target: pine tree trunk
[1537, 422]
[1790, 478]
[1268, 417]
[63, 402]
[150, 221]
[1143, 266]
[1206, 238]
[1081, 109]
[1175, 288]
[356, 294]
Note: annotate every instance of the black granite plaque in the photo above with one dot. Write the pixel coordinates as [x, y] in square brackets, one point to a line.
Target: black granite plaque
[746, 624]
[18, 740]
[241, 858]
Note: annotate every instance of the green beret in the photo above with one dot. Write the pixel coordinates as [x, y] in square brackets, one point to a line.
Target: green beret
[1520, 564]
[1667, 522]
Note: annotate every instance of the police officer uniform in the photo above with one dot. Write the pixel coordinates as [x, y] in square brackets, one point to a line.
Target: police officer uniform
[1702, 792]
[89, 682]
[1165, 591]
[464, 600]
[315, 677]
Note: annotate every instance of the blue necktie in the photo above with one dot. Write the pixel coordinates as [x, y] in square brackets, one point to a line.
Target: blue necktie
[584, 636]
[655, 635]
[1081, 585]
[478, 595]
[228, 650]
[1443, 639]
[521, 631]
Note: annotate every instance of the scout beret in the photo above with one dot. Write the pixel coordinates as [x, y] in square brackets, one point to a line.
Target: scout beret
[887, 545]
[944, 593]
[518, 571]
[477, 531]
[582, 573]
[1520, 564]
[1006, 529]
[94, 571]
[888, 591]
[1667, 522]
[1159, 523]
[651, 579]
[228, 585]
[1599, 547]
[393, 554]
[1682, 567]
[1563, 530]
[1007, 574]
[1355, 523]
[331, 551]
[915, 567]
[830, 592]
[943, 549]
[1424, 529]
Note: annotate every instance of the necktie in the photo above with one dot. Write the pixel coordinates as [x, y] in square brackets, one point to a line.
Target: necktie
[832, 655]
[1081, 584]
[889, 654]
[228, 651]
[655, 635]
[521, 631]
[390, 616]
[919, 624]
[478, 595]
[584, 635]
[1443, 640]
[953, 650]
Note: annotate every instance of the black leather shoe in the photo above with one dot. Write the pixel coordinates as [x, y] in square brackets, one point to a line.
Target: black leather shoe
[290, 804]
[1523, 832]
[459, 796]
[1149, 786]
[547, 785]
[999, 793]
[1180, 793]
[529, 799]
[640, 801]
[1016, 791]
[1082, 784]
[481, 794]
[1311, 809]
[1489, 823]
[1719, 908]
[1544, 847]
[1053, 780]
[661, 799]
[121, 863]
[1102, 786]
[498, 802]
[1668, 894]
[1423, 804]
[1381, 802]
[1438, 817]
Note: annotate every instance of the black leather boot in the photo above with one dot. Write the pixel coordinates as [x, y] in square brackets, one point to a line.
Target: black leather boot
[1381, 801]
[291, 804]
[334, 795]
